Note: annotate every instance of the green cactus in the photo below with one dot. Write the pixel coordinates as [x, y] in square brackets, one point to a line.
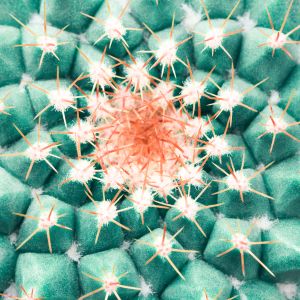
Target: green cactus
[149, 149]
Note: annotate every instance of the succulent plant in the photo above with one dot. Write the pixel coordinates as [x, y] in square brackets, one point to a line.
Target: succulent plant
[149, 149]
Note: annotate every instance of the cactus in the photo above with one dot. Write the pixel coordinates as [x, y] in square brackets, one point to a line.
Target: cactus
[149, 149]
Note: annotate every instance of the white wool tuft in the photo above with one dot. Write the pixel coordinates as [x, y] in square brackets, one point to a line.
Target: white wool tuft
[126, 245]
[192, 256]
[73, 252]
[11, 291]
[82, 38]
[36, 19]
[25, 80]
[191, 17]
[274, 97]
[220, 216]
[13, 238]
[246, 22]
[264, 223]
[289, 290]
[35, 192]
[236, 283]
[146, 289]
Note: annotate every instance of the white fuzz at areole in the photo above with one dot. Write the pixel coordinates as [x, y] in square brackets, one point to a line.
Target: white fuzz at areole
[114, 28]
[113, 177]
[192, 256]
[124, 98]
[220, 216]
[146, 289]
[191, 174]
[229, 99]
[214, 38]
[163, 94]
[47, 43]
[163, 249]
[197, 127]
[141, 199]
[25, 80]
[13, 237]
[238, 182]
[289, 290]
[83, 171]
[101, 73]
[106, 212]
[217, 146]
[188, 206]
[82, 132]
[110, 283]
[277, 40]
[240, 241]
[236, 283]
[61, 99]
[264, 222]
[245, 22]
[73, 252]
[99, 106]
[189, 153]
[276, 125]
[38, 151]
[138, 75]
[162, 184]
[166, 52]
[126, 245]
[46, 221]
[192, 91]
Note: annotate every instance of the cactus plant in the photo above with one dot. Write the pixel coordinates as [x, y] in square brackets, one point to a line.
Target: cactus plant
[149, 149]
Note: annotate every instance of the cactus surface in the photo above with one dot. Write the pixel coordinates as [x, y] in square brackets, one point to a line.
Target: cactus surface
[149, 149]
